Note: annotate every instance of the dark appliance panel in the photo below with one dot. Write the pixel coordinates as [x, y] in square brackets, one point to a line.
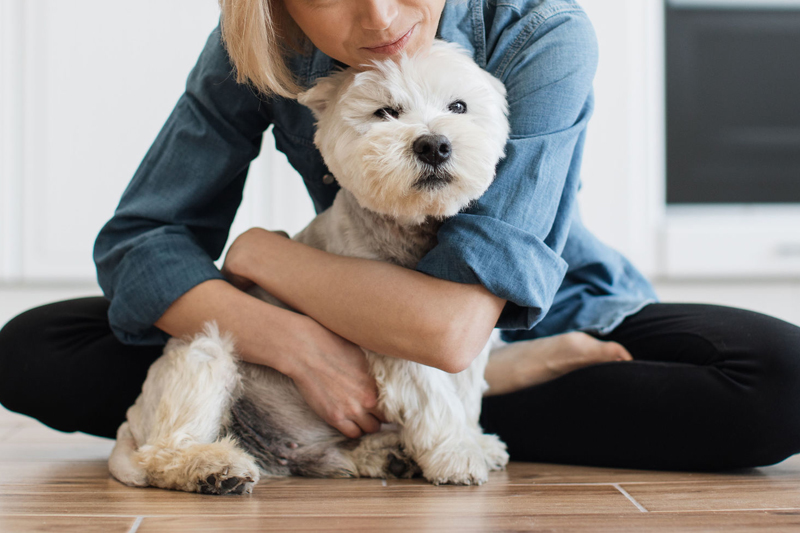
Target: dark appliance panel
[733, 105]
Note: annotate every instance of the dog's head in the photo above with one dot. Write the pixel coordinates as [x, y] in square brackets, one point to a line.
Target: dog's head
[414, 138]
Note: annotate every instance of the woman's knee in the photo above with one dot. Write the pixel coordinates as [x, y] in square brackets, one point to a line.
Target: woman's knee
[18, 346]
[774, 408]
[38, 348]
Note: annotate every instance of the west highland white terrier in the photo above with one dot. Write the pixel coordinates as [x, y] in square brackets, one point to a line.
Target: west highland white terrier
[411, 143]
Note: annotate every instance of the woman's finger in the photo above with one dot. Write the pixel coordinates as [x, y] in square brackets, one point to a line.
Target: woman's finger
[349, 429]
[377, 413]
[369, 423]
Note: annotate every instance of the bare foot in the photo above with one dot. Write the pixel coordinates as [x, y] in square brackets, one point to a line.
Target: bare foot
[523, 364]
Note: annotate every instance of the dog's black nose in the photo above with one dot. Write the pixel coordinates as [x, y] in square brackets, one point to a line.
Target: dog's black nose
[433, 149]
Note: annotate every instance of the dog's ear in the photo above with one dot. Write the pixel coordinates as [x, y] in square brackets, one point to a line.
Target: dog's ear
[496, 84]
[318, 97]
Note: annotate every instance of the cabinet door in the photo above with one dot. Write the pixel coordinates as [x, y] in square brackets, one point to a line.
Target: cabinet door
[87, 85]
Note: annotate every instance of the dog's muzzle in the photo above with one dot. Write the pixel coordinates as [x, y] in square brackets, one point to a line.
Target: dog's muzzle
[433, 180]
[433, 149]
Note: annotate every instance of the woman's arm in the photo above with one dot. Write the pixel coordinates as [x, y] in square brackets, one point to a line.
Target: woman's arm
[177, 210]
[383, 307]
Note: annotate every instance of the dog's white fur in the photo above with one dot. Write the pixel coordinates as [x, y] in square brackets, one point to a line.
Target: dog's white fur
[207, 422]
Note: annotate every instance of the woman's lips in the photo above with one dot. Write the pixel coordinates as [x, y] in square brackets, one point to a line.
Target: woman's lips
[395, 47]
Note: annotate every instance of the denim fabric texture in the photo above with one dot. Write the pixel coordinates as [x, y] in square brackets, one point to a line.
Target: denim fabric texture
[523, 240]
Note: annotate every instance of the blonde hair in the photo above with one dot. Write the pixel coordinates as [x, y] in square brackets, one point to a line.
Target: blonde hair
[259, 35]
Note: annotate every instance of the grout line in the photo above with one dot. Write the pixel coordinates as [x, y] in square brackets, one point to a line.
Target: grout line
[568, 483]
[633, 501]
[136, 524]
[86, 515]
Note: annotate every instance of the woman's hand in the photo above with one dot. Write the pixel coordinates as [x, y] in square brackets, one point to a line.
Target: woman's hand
[333, 376]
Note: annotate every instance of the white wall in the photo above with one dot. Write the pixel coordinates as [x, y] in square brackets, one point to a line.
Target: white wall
[623, 174]
[86, 86]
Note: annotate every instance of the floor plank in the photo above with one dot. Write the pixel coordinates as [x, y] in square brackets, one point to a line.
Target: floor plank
[754, 494]
[56, 476]
[360, 497]
[40, 434]
[54, 451]
[751, 522]
[7, 431]
[65, 524]
[9, 418]
[542, 473]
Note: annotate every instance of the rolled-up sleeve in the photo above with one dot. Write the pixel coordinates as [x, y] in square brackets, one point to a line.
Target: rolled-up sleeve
[511, 239]
[174, 217]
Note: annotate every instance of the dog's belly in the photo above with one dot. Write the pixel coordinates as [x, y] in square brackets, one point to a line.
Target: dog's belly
[276, 426]
[258, 436]
[271, 419]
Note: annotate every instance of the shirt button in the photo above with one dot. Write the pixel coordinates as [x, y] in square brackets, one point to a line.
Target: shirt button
[327, 179]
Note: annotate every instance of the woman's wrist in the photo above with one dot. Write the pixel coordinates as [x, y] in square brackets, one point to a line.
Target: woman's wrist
[282, 346]
[246, 254]
[263, 334]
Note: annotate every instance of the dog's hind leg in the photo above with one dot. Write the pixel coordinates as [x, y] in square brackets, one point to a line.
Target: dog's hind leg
[179, 417]
[437, 430]
[121, 464]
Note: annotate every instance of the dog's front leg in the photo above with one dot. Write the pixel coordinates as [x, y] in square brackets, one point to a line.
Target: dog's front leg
[436, 430]
[471, 385]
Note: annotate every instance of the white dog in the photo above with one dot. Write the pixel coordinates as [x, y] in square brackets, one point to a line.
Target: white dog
[410, 143]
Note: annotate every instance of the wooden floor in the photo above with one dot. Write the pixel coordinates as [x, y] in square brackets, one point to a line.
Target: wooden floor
[51, 481]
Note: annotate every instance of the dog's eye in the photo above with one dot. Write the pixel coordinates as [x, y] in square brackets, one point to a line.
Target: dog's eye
[386, 112]
[459, 107]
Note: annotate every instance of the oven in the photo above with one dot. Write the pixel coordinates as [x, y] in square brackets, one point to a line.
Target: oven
[733, 137]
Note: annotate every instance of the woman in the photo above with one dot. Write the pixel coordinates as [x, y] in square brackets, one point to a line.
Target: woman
[707, 387]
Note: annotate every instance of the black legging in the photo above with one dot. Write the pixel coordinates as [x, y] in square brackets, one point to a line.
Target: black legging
[710, 387]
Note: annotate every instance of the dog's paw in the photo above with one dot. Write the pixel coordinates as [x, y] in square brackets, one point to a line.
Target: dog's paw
[494, 451]
[456, 465]
[223, 483]
[228, 471]
[399, 465]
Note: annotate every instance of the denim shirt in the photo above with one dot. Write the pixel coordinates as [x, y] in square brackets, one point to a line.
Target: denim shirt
[523, 239]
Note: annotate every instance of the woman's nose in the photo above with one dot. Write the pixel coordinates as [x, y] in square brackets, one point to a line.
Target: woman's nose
[378, 14]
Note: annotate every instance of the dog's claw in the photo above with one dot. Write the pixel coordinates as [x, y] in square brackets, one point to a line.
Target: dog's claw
[219, 485]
